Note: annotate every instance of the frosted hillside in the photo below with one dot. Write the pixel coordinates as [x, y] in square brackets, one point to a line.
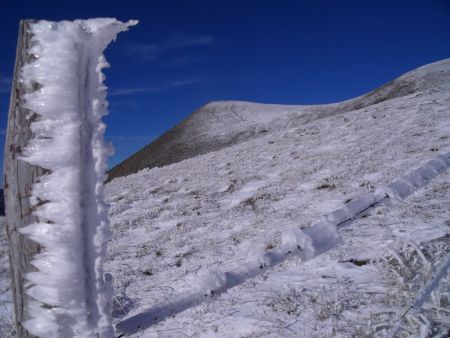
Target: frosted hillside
[179, 227]
[196, 244]
[225, 123]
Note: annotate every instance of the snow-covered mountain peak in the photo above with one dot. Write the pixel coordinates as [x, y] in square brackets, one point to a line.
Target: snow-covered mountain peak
[221, 124]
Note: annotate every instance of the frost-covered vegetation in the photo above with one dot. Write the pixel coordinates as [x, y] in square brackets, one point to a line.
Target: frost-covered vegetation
[176, 225]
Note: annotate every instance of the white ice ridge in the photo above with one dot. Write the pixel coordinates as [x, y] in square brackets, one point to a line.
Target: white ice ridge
[70, 296]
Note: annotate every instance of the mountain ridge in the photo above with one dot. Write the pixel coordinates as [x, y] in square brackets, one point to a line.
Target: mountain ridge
[220, 124]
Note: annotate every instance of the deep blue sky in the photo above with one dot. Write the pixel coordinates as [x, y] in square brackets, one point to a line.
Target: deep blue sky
[184, 54]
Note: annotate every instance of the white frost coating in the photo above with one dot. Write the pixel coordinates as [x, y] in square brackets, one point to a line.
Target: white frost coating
[71, 295]
[295, 239]
[211, 280]
[256, 258]
[320, 237]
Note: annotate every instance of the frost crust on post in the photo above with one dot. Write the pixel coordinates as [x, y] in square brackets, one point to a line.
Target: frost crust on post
[70, 294]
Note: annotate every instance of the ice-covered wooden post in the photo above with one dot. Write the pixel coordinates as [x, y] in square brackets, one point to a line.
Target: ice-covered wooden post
[54, 170]
[19, 177]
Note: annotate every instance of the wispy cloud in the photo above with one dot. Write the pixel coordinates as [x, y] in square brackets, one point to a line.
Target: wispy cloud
[151, 51]
[5, 85]
[185, 60]
[152, 89]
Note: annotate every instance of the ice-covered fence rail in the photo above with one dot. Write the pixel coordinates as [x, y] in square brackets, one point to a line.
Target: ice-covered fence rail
[54, 171]
[315, 240]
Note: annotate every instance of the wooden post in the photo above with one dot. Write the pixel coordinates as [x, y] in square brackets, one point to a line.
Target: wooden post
[18, 181]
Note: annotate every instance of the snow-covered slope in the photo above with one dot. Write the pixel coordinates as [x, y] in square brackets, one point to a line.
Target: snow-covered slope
[178, 228]
[224, 123]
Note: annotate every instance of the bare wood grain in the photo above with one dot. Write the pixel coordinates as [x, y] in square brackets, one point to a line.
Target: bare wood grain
[18, 181]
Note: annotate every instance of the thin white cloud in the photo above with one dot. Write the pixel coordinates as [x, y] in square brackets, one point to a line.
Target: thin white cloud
[5, 85]
[185, 60]
[151, 89]
[151, 51]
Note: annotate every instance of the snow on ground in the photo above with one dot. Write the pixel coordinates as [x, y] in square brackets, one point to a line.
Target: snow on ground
[361, 288]
[176, 228]
[173, 224]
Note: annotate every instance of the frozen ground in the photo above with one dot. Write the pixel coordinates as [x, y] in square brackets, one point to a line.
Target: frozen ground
[176, 228]
[362, 288]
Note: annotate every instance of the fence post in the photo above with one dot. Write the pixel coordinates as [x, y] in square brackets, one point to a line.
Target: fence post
[19, 177]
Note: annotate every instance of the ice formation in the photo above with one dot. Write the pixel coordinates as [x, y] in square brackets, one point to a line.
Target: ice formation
[71, 297]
